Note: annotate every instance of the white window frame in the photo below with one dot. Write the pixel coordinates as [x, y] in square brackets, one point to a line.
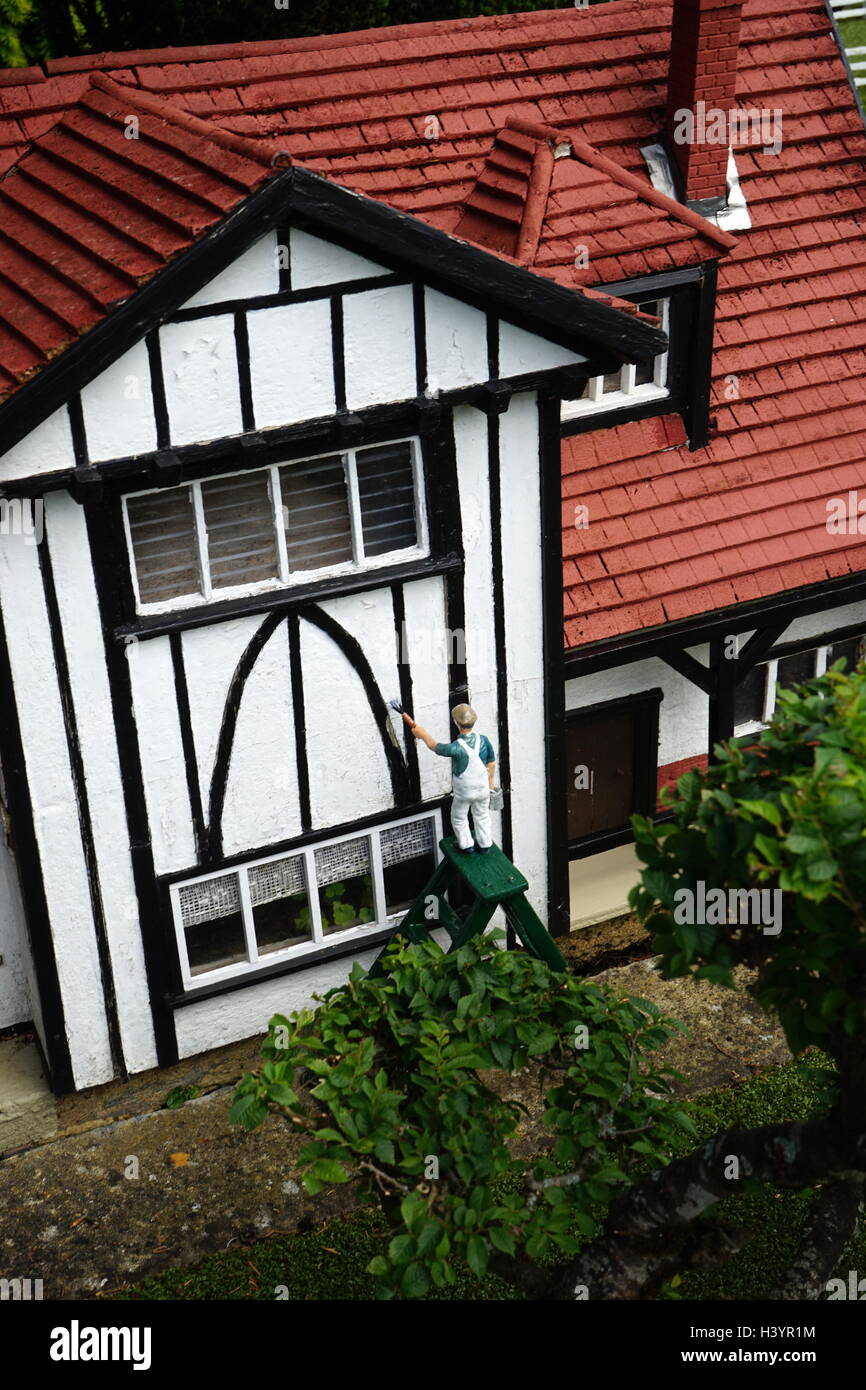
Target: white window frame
[598, 401]
[285, 577]
[320, 942]
[771, 668]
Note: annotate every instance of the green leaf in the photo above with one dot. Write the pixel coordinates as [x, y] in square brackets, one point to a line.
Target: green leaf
[798, 843]
[503, 1238]
[329, 1170]
[766, 809]
[684, 1121]
[401, 1249]
[179, 1095]
[821, 870]
[544, 1040]
[585, 1223]
[413, 1210]
[414, 1282]
[477, 1256]
[281, 1094]
[248, 1110]
[430, 1238]
[537, 1245]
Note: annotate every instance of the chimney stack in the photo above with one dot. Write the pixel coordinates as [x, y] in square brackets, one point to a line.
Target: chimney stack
[702, 80]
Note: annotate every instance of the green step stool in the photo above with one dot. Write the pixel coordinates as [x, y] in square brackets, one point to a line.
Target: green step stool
[493, 882]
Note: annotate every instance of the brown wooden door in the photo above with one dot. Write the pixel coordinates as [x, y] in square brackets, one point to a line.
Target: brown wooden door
[601, 771]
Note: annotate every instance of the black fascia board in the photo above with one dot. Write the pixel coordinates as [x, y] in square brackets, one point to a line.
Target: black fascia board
[691, 632]
[477, 277]
[402, 241]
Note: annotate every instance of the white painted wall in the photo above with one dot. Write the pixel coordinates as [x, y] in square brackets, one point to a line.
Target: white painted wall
[55, 810]
[291, 363]
[261, 804]
[161, 750]
[113, 431]
[520, 508]
[521, 352]
[456, 342]
[15, 966]
[47, 449]
[210, 658]
[425, 644]
[379, 342]
[349, 776]
[315, 262]
[291, 359]
[255, 272]
[683, 712]
[819, 624]
[76, 594]
[200, 371]
[470, 435]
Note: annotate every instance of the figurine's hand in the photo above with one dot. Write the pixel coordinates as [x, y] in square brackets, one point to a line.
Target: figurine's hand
[409, 720]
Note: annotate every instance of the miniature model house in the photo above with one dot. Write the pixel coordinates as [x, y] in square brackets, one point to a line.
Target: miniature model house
[419, 364]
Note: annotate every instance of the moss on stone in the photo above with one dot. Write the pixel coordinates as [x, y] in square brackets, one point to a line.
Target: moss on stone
[330, 1262]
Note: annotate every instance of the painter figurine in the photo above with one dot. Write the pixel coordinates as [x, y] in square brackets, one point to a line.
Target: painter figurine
[473, 765]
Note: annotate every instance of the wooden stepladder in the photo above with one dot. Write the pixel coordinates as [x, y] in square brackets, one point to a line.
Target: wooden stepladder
[493, 882]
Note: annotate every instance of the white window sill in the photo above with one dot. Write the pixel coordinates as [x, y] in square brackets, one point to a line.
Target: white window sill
[237, 970]
[753, 727]
[614, 400]
[270, 586]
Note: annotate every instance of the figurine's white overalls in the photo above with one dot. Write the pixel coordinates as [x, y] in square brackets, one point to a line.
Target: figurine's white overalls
[471, 790]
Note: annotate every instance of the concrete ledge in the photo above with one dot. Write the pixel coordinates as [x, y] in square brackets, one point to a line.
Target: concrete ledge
[28, 1111]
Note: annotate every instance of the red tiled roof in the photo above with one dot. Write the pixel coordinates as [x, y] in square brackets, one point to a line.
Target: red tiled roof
[672, 533]
[541, 194]
[414, 116]
[89, 214]
[356, 108]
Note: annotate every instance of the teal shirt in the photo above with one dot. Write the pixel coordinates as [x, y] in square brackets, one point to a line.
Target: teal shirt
[458, 755]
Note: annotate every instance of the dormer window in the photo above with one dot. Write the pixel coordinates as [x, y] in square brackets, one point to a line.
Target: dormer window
[632, 384]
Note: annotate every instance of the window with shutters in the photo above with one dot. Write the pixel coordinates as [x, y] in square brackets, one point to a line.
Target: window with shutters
[271, 527]
[756, 695]
[326, 894]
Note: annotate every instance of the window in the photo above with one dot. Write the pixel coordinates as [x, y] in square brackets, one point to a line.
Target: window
[632, 383]
[247, 532]
[755, 696]
[231, 923]
[612, 752]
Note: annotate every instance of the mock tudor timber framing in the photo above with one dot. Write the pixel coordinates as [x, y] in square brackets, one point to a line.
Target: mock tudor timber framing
[411, 247]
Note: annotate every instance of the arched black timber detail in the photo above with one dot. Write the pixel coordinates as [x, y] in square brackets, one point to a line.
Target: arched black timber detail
[401, 786]
[219, 780]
